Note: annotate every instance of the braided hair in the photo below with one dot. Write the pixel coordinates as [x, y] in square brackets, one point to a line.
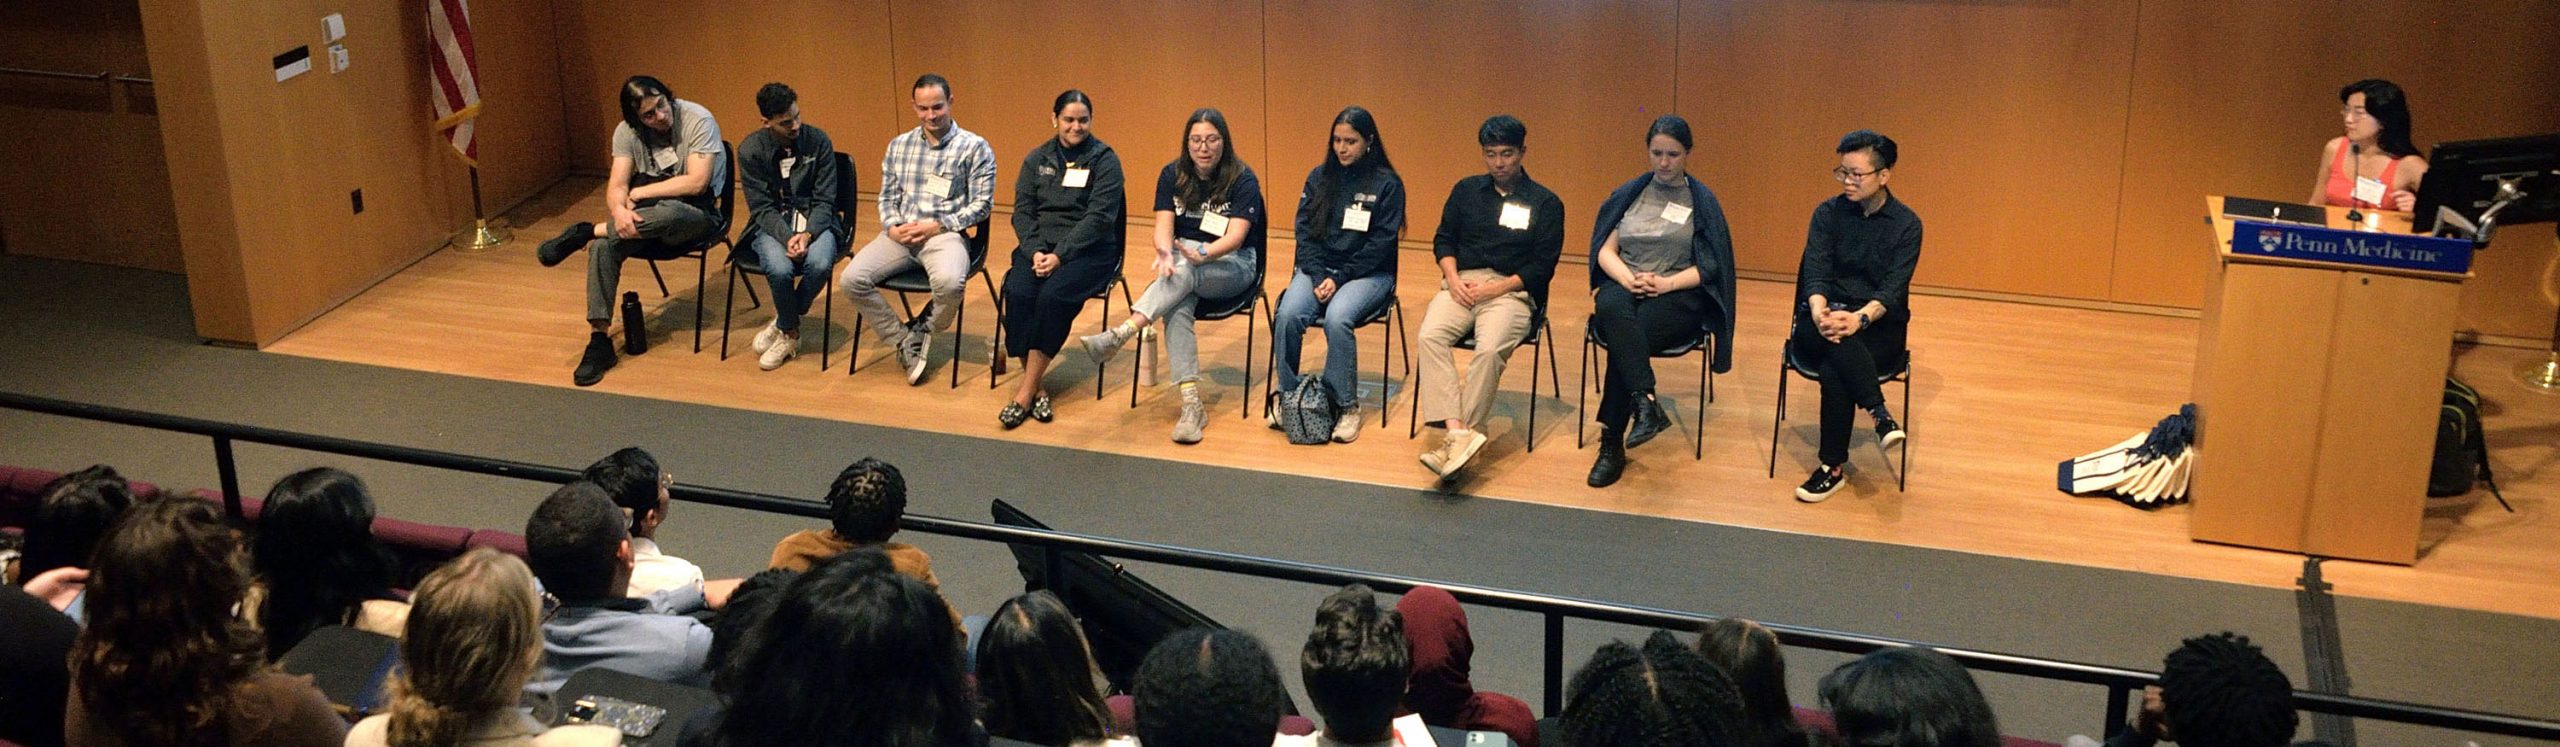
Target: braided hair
[2220, 691]
[1661, 695]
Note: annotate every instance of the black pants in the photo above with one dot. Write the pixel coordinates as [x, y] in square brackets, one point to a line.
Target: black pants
[1848, 369]
[1632, 328]
[1039, 312]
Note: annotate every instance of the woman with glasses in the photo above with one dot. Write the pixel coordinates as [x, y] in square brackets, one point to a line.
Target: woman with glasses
[1852, 292]
[1067, 211]
[2373, 164]
[1663, 275]
[1208, 204]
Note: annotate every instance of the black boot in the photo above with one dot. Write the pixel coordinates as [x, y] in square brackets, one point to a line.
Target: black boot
[1611, 463]
[1648, 420]
[598, 359]
[571, 239]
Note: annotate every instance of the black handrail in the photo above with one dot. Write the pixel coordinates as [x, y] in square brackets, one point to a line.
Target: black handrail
[2119, 682]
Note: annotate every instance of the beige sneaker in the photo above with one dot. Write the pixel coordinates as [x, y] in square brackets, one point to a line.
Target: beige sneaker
[1195, 418]
[1462, 446]
[1437, 456]
[764, 337]
[1347, 428]
[781, 350]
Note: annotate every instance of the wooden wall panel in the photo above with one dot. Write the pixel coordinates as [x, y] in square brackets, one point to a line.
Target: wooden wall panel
[1586, 78]
[87, 182]
[2010, 117]
[523, 147]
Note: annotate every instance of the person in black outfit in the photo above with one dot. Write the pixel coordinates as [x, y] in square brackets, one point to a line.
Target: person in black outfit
[1662, 260]
[1067, 210]
[1852, 293]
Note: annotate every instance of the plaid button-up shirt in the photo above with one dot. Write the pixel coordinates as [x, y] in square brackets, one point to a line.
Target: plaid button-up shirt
[962, 157]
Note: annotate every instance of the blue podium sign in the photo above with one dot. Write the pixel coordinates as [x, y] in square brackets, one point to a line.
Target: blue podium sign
[2395, 251]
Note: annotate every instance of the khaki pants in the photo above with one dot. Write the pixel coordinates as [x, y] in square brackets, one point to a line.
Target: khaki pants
[1499, 324]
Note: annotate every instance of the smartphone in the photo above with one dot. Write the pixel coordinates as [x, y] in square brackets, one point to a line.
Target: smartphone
[632, 719]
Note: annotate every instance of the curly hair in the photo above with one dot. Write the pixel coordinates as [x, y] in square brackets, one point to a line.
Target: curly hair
[749, 604]
[316, 552]
[866, 501]
[474, 637]
[853, 654]
[1908, 697]
[1750, 655]
[1036, 676]
[72, 512]
[1208, 688]
[2220, 691]
[1355, 665]
[1661, 695]
[163, 652]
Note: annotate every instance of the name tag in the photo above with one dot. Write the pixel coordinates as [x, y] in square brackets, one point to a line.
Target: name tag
[1676, 213]
[2370, 190]
[1075, 178]
[799, 222]
[786, 164]
[1515, 216]
[937, 185]
[1355, 218]
[1214, 224]
[664, 158]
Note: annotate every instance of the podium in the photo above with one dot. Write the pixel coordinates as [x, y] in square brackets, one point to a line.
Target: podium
[2319, 374]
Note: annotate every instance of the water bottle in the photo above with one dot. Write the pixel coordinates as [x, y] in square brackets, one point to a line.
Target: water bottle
[635, 333]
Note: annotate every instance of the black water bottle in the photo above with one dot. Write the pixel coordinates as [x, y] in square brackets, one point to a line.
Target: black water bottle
[635, 335]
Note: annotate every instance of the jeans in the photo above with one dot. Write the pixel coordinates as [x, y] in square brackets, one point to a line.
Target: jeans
[795, 283]
[1173, 298]
[1352, 303]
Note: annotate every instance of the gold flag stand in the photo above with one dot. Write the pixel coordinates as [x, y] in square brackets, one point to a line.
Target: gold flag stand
[483, 235]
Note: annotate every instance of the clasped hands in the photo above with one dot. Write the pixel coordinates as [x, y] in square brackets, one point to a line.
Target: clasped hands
[1837, 324]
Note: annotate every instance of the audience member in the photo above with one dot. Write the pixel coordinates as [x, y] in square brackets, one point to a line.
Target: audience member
[1908, 697]
[2215, 691]
[755, 598]
[475, 636]
[1037, 681]
[166, 658]
[72, 512]
[935, 181]
[1208, 688]
[1749, 654]
[787, 169]
[852, 655]
[1435, 628]
[1661, 695]
[864, 505]
[579, 546]
[638, 485]
[318, 563]
[34, 678]
[1354, 666]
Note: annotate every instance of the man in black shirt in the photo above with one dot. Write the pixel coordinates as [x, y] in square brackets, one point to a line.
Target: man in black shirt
[1852, 289]
[1499, 238]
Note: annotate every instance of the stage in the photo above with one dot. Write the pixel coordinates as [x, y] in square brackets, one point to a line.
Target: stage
[2001, 392]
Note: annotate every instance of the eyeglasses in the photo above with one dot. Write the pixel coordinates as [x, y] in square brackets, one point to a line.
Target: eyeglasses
[550, 606]
[1843, 174]
[1209, 140]
[666, 479]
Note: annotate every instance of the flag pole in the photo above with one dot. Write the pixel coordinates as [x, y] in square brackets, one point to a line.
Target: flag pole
[481, 236]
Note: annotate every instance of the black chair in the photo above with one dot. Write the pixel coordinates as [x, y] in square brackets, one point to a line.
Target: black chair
[1119, 279]
[1885, 374]
[1706, 383]
[682, 703]
[1213, 309]
[700, 251]
[749, 263]
[349, 666]
[914, 280]
[1393, 313]
[1538, 330]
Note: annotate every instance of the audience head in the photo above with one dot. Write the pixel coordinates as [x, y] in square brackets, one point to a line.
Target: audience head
[1036, 679]
[1354, 143]
[867, 500]
[637, 485]
[1908, 697]
[1667, 146]
[2377, 108]
[853, 653]
[1659, 695]
[474, 637]
[1355, 665]
[578, 544]
[1750, 655]
[2221, 691]
[748, 606]
[72, 513]
[314, 548]
[1435, 629]
[649, 108]
[163, 650]
[1208, 688]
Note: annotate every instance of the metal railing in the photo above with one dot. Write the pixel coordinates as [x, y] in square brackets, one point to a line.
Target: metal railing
[2119, 683]
[101, 77]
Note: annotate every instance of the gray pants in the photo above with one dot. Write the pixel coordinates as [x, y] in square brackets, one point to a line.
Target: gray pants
[667, 229]
[945, 259]
[1173, 297]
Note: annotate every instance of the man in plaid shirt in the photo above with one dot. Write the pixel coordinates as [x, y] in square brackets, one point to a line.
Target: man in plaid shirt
[934, 181]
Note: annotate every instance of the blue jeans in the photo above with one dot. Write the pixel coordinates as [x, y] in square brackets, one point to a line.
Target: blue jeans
[1353, 302]
[795, 284]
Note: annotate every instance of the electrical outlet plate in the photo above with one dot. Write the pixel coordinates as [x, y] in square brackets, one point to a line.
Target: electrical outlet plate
[333, 26]
[337, 58]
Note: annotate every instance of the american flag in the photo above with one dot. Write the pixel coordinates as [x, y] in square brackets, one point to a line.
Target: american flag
[454, 74]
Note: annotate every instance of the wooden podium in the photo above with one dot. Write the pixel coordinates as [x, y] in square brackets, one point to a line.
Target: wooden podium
[2319, 373]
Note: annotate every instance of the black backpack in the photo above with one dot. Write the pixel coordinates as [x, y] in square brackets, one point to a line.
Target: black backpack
[2462, 453]
[1307, 412]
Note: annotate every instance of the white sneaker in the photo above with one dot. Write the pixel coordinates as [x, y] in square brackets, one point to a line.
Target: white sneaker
[1195, 418]
[912, 354]
[1460, 447]
[764, 337]
[780, 350]
[1347, 428]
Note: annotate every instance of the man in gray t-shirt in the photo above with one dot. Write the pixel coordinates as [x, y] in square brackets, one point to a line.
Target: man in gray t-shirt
[669, 168]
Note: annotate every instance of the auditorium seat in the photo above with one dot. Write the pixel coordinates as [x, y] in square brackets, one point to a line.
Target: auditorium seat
[507, 542]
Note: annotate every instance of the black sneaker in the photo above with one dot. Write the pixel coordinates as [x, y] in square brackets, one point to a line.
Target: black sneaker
[1647, 421]
[598, 359]
[571, 239]
[1824, 481]
[1611, 463]
[1888, 432]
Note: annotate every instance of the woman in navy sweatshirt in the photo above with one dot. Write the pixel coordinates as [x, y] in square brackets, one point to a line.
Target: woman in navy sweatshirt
[1349, 217]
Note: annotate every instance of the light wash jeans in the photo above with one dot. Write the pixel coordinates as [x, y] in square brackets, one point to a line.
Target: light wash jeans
[1172, 299]
[1298, 310]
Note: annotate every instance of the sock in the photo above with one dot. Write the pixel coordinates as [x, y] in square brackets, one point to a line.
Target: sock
[1190, 392]
[1125, 331]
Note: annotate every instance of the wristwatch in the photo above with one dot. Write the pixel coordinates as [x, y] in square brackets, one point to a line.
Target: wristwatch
[1863, 321]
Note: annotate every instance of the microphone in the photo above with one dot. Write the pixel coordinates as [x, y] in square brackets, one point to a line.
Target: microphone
[2355, 166]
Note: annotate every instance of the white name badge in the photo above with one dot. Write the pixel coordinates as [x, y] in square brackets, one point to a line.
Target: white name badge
[1214, 224]
[799, 222]
[937, 185]
[2369, 190]
[665, 158]
[786, 165]
[1515, 216]
[1076, 178]
[1355, 219]
[1676, 213]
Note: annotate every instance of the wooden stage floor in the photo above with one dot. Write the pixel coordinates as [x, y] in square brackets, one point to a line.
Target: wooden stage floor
[2003, 391]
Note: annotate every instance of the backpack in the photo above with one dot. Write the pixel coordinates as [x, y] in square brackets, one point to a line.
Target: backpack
[1307, 412]
[2462, 453]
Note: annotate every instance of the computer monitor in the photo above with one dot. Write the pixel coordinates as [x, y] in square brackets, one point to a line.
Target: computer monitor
[1123, 616]
[2518, 176]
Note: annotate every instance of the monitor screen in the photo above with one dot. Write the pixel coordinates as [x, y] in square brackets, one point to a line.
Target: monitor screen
[2466, 176]
[1123, 616]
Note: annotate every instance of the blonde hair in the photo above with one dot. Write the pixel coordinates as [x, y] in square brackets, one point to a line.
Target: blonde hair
[474, 636]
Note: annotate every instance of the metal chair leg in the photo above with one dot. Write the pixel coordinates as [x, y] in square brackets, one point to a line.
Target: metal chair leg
[662, 280]
[1781, 418]
[701, 274]
[1582, 394]
[728, 306]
